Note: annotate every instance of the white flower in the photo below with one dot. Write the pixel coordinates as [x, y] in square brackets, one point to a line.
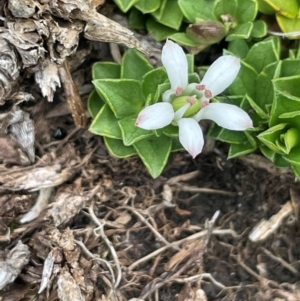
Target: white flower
[218, 77]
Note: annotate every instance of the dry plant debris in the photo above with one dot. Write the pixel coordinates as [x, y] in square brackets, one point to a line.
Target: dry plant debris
[104, 230]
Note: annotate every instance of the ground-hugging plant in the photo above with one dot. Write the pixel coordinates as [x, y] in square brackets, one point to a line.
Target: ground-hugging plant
[151, 112]
[195, 23]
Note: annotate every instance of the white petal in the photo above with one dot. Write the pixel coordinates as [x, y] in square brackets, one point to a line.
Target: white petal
[155, 116]
[190, 136]
[225, 115]
[175, 62]
[221, 74]
[167, 95]
[179, 113]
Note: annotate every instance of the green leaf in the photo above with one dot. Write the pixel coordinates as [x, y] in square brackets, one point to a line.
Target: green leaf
[118, 149]
[183, 39]
[124, 96]
[288, 8]
[125, 5]
[170, 131]
[259, 29]
[263, 53]
[290, 67]
[193, 78]
[136, 19]
[286, 100]
[191, 62]
[134, 65]
[132, 133]
[238, 48]
[264, 92]
[277, 159]
[170, 16]
[176, 145]
[225, 135]
[237, 150]
[152, 79]
[95, 103]
[246, 10]
[242, 31]
[245, 81]
[102, 70]
[159, 31]
[294, 156]
[106, 124]
[160, 90]
[197, 9]
[146, 6]
[154, 153]
[225, 7]
[296, 170]
[271, 136]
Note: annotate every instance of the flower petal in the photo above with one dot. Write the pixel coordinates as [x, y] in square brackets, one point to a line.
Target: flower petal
[175, 62]
[155, 116]
[167, 95]
[221, 74]
[190, 136]
[228, 116]
[179, 113]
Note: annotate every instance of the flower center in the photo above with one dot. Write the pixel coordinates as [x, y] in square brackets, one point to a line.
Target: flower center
[195, 104]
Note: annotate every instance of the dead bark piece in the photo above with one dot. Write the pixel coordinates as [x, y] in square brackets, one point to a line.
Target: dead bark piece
[48, 79]
[72, 96]
[23, 132]
[68, 290]
[16, 259]
[10, 152]
[35, 179]
[22, 8]
[66, 206]
[9, 70]
[47, 271]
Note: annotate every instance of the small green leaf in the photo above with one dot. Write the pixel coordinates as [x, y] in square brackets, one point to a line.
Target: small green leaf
[290, 67]
[225, 7]
[124, 96]
[296, 170]
[259, 29]
[246, 10]
[237, 150]
[102, 70]
[136, 19]
[288, 8]
[118, 149]
[183, 39]
[170, 131]
[176, 145]
[191, 62]
[146, 6]
[95, 103]
[197, 9]
[245, 81]
[294, 156]
[242, 31]
[159, 31]
[134, 65]
[132, 133]
[152, 79]
[277, 159]
[106, 124]
[194, 78]
[154, 153]
[160, 90]
[263, 53]
[264, 93]
[171, 15]
[125, 5]
[238, 48]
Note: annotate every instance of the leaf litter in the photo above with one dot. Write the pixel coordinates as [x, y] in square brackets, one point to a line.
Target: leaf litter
[77, 224]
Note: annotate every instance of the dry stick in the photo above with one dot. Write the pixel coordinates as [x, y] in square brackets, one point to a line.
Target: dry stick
[108, 243]
[97, 258]
[206, 190]
[281, 261]
[156, 233]
[179, 242]
[190, 261]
